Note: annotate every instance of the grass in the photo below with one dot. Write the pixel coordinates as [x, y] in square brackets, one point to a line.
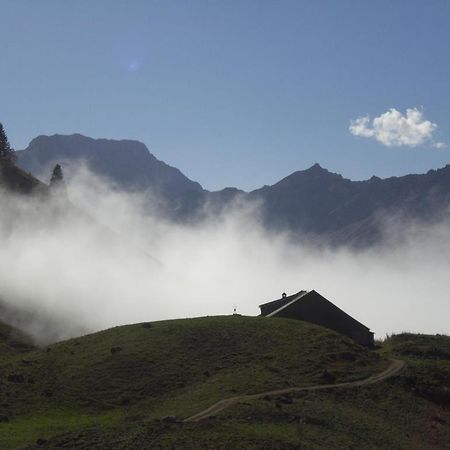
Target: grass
[404, 412]
[44, 426]
[13, 343]
[428, 358]
[140, 373]
[111, 389]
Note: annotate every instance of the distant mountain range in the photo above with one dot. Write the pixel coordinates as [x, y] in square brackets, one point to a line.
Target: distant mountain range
[323, 205]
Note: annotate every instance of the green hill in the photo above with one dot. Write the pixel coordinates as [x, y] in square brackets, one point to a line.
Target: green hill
[130, 386]
[147, 371]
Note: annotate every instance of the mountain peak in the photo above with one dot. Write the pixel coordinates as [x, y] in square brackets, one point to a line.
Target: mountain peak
[317, 168]
[128, 163]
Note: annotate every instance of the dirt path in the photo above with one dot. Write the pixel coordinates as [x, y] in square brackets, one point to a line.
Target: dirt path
[394, 367]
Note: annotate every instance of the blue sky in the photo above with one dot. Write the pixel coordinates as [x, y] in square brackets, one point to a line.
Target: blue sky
[235, 93]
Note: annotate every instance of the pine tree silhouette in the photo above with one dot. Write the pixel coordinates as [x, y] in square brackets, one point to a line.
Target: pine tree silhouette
[57, 178]
[6, 152]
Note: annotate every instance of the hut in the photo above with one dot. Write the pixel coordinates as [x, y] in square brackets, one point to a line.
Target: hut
[312, 307]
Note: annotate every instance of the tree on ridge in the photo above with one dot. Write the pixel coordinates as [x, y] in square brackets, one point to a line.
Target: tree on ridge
[6, 152]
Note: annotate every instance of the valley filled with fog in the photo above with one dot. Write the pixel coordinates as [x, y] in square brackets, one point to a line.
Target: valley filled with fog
[103, 257]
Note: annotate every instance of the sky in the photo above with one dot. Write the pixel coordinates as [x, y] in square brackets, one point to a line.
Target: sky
[236, 93]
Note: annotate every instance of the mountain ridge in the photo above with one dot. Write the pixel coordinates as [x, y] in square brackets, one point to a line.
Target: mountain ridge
[107, 157]
[322, 205]
[316, 168]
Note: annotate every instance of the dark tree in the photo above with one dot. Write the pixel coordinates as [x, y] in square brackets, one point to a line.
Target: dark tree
[57, 178]
[6, 152]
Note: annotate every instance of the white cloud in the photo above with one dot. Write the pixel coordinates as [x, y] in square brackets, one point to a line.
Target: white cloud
[395, 129]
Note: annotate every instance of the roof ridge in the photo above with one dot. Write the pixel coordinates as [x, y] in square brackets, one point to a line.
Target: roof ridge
[297, 297]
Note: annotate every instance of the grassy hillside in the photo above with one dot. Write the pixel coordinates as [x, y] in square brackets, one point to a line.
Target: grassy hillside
[115, 389]
[409, 411]
[126, 379]
[13, 343]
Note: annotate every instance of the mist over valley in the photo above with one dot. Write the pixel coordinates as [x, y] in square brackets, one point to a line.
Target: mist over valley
[113, 249]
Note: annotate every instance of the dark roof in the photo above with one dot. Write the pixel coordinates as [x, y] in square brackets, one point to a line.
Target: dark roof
[283, 300]
[292, 299]
[288, 301]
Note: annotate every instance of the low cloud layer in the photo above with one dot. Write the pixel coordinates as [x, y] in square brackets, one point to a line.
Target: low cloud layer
[395, 129]
[109, 262]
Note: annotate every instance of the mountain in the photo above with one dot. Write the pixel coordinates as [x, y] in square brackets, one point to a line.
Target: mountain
[316, 203]
[128, 163]
[324, 204]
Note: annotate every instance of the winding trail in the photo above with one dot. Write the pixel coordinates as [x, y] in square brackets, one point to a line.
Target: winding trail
[394, 367]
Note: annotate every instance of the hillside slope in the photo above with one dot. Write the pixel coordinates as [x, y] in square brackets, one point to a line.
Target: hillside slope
[124, 388]
[408, 411]
[129, 376]
[13, 342]
[19, 181]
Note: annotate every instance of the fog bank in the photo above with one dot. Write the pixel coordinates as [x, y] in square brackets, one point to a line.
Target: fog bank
[110, 261]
